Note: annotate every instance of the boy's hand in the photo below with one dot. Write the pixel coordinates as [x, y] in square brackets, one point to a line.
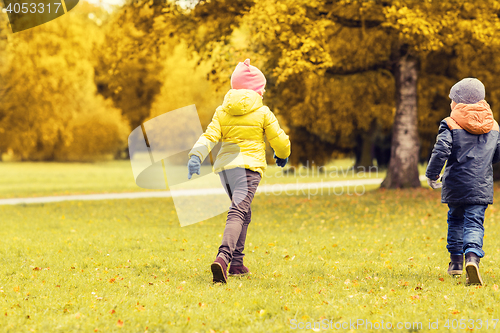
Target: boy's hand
[434, 183]
[280, 161]
[194, 166]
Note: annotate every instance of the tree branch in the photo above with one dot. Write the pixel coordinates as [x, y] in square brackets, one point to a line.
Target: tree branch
[387, 65]
[352, 23]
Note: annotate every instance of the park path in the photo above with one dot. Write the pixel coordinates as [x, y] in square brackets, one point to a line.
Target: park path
[274, 189]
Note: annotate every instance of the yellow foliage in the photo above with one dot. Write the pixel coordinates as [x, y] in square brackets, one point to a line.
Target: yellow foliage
[50, 95]
[94, 135]
[185, 83]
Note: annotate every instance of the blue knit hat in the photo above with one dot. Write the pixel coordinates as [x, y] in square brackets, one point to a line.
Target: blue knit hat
[467, 91]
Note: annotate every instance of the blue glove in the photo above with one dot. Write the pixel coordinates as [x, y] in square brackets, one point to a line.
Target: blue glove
[194, 166]
[280, 161]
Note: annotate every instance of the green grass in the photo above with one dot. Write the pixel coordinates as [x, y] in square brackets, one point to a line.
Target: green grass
[127, 266]
[29, 179]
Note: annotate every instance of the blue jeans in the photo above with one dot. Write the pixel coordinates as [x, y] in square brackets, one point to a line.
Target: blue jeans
[465, 229]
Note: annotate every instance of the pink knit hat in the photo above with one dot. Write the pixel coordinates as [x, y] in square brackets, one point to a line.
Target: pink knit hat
[246, 76]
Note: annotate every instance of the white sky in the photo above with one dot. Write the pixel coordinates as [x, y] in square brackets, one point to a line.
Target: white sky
[106, 4]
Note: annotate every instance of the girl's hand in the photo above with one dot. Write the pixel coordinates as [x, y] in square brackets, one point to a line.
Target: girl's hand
[194, 166]
[280, 161]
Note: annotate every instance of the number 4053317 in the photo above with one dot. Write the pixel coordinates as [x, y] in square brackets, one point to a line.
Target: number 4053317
[470, 324]
[32, 8]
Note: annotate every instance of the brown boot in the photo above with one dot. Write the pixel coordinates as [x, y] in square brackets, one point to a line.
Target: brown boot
[219, 270]
[456, 265]
[472, 269]
[238, 270]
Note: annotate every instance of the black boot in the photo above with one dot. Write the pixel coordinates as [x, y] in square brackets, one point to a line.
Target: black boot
[472, 269]
[456, 265]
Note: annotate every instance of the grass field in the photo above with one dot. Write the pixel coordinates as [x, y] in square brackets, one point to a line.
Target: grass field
[127, 265]
[41, 179]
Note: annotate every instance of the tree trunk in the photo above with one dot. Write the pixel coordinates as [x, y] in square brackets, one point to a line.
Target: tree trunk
[366, 146]
[496, 172]
[403, 166]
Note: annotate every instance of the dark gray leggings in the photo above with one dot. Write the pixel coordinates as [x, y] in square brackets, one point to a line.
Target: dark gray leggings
[241, 185]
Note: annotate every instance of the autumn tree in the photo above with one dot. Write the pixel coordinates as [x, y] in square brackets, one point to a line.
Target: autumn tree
[49, 109]
[339, 72]
[129, 64]
[336, 110]
[3, 61]
[331, 81]
[421, 27]
[185, 83]
[298, 40]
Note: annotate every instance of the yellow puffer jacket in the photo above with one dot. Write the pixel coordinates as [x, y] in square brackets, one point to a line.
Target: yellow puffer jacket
[240, 123]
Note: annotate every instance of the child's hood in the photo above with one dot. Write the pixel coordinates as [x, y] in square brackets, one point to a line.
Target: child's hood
[474, 118]
[238, 102]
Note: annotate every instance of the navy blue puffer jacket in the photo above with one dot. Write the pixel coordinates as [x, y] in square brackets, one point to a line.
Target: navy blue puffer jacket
[469, 140]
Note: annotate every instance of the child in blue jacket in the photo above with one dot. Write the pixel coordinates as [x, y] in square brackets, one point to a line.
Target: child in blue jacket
[469, 142]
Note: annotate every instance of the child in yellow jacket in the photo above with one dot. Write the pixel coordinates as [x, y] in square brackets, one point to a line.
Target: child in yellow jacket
[240, 123]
